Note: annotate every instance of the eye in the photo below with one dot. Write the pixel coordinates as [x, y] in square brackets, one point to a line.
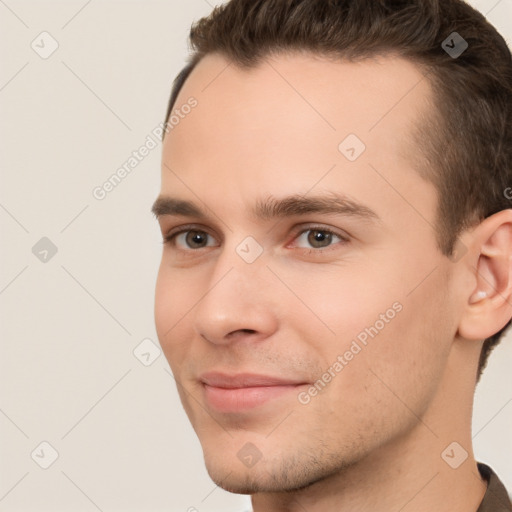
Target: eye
[315, 238]
[186, 239]
[318, 237]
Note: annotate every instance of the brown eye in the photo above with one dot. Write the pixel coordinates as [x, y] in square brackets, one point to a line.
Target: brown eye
[318, 238]
[195, 239]
[189, 239]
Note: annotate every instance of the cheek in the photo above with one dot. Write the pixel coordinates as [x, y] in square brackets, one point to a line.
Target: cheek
[403, 364]
[343, 303]
[381, 325]
[163, 305]
[173, 300]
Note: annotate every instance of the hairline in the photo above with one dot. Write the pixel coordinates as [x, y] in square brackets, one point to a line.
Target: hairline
[415, 150]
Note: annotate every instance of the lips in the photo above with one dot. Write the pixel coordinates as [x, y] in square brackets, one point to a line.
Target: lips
[243, 391]
[245, 380]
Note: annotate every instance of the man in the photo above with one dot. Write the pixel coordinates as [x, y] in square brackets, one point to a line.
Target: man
[337, 249]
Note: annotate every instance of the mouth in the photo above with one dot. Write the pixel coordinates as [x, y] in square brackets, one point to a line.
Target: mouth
[245, 391]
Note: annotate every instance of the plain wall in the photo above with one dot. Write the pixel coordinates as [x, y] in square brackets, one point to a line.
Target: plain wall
[70, 325]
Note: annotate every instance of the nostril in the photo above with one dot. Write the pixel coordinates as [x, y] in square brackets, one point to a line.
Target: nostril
[249, 331]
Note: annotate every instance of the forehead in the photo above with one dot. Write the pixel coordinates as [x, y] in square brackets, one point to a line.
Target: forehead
[333, 96]
[285, 123]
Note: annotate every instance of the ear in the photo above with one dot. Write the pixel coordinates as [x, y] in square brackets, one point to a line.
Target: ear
[488, 307]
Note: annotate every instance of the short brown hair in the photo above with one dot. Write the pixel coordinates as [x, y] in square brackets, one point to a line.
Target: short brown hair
[465, 145]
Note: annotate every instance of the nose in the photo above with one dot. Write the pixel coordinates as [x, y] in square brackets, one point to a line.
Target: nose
[237, 303]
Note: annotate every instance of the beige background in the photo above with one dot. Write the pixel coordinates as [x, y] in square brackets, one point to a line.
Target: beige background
[68, 373]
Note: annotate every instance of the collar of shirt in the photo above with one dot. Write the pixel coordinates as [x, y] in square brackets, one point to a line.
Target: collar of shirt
[496, 498]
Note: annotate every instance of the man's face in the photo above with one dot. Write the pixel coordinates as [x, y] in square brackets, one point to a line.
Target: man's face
[353, 299]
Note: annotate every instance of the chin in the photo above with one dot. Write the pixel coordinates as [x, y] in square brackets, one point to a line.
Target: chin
[265, 476]
[245, 481]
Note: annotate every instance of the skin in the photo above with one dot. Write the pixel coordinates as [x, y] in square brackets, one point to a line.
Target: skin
[372, 439]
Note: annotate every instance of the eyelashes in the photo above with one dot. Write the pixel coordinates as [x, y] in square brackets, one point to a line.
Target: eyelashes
[190, 239]
[326, 235]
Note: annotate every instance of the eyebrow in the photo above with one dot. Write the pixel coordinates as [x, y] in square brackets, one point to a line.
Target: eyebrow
[274, 208]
